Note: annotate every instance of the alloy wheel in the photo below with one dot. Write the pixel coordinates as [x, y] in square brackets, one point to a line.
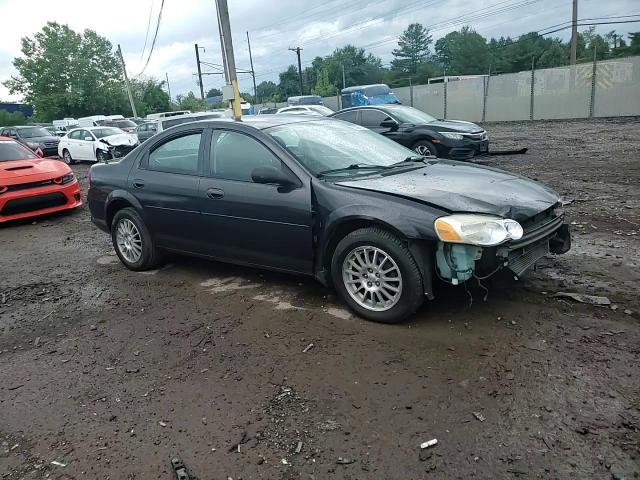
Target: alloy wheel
[423, 150]
[129, 240]
[372, 278]
[67, 157]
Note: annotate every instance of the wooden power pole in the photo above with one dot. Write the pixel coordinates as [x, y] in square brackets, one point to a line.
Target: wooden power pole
[574, 33]
[230, 62]
[297, 50]
[126, 81]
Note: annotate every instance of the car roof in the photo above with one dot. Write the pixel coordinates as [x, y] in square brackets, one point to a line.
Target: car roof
[262, 122]
[381, 106]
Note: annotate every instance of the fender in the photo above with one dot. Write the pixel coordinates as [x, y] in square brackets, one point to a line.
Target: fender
[119, 195]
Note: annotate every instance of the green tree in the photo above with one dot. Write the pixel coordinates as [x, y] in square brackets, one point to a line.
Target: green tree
[289, 85]
[323, 87]
[150, 97]
[191, 102]
[464, 52]
[266, 91]
[8, 119]
[593, 43]
[64, 73]
[214, 92]
[413, 49]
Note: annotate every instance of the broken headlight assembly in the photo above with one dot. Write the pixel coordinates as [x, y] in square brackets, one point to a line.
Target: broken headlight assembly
[480, 230]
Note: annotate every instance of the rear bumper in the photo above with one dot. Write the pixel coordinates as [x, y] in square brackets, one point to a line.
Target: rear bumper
[39, 201]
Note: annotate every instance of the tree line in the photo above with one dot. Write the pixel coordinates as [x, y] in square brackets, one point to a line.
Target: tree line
[462, 52]
[63, 73]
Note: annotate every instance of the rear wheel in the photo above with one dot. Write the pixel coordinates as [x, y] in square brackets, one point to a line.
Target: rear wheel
[426, 148]
[132, 241]
[376, 275]
[66, 156]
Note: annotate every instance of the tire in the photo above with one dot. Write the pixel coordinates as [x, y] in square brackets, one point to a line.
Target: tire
[134, 232]
[66, 157]
[375, 243]
[101, 157]
[425, 147]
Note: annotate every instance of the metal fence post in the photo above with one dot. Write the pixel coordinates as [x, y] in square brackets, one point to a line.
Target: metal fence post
[592, 98]
[445, 97]
[485, 94]
[533, 81]
[410, 92]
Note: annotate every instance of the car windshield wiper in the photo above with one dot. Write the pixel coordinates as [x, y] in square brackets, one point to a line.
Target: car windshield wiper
[411, 159]
[353, 166]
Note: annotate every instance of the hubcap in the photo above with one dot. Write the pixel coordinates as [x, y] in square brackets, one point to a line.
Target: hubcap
[372, 278]
[423, 150]
[67, 157]
[128, 240]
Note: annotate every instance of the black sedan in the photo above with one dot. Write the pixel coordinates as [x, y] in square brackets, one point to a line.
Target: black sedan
[420, 131]
[327, 199]
[34, 137]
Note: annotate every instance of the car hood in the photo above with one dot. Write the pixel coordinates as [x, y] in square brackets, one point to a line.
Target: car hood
[461, 187]
[120, 139]
[25, 168]
[454, 126]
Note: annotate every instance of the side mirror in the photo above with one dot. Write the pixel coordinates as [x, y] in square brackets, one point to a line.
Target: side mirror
[88, 139]
[388, 123]
[272, 175]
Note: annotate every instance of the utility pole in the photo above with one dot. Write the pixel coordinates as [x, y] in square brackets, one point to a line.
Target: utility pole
[199, 71]
[224, 56]
[297, 50]
[574, 33]
[230, 62]
[344, 83]
[168, 86]
[253, 73]
[126, 81]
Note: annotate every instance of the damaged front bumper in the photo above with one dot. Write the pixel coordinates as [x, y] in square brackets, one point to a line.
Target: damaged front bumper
[457, 263]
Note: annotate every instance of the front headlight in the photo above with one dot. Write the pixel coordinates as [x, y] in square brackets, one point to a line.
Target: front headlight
[451, 135]
[33, 145]
[68, 178]
[481, 230]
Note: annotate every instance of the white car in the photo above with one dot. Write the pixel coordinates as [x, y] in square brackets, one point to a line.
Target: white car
[319, 110]
[95, 144]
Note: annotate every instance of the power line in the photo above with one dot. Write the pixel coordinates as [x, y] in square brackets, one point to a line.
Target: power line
[155, 36]
[146, 36]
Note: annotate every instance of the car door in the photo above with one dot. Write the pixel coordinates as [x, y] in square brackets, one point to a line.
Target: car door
[372, 119]
[71, 144]
[254, 223]
[165, 182]
[84, 146]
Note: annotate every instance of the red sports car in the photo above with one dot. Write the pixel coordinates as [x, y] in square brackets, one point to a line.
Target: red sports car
[30, 185]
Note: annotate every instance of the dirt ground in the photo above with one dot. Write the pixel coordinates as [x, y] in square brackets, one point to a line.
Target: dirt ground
[113, 373]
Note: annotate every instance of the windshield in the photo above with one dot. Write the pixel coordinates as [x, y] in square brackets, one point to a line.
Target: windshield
[31, 132]
[411, 115]
[322, 110]
[124, 123]
[106, 131]
[333, 144]
[10, 151]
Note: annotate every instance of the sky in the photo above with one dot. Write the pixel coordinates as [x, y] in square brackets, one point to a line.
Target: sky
[317, 26]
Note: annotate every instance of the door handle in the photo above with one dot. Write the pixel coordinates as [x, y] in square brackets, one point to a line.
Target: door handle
[215, 193]
[138, 184]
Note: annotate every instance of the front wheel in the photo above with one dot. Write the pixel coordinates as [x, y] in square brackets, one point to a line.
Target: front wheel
[132, 241]
[66, 156]
[101, 156]
[376, 275]
[425, 148]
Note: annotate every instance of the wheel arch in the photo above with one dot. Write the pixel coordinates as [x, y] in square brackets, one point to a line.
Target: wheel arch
[118, 200]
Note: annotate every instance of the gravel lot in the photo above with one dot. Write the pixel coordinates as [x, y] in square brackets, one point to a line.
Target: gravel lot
[112, 373]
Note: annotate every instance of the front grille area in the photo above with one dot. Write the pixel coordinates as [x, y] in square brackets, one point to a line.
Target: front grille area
[51, 144]
[476, 136]
[122, 150]
[522, 259]
[26, 186]
[32, 204]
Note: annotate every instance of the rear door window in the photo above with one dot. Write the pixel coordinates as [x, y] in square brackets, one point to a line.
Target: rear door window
[350, 116]
[177, 155]
[373, 118]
